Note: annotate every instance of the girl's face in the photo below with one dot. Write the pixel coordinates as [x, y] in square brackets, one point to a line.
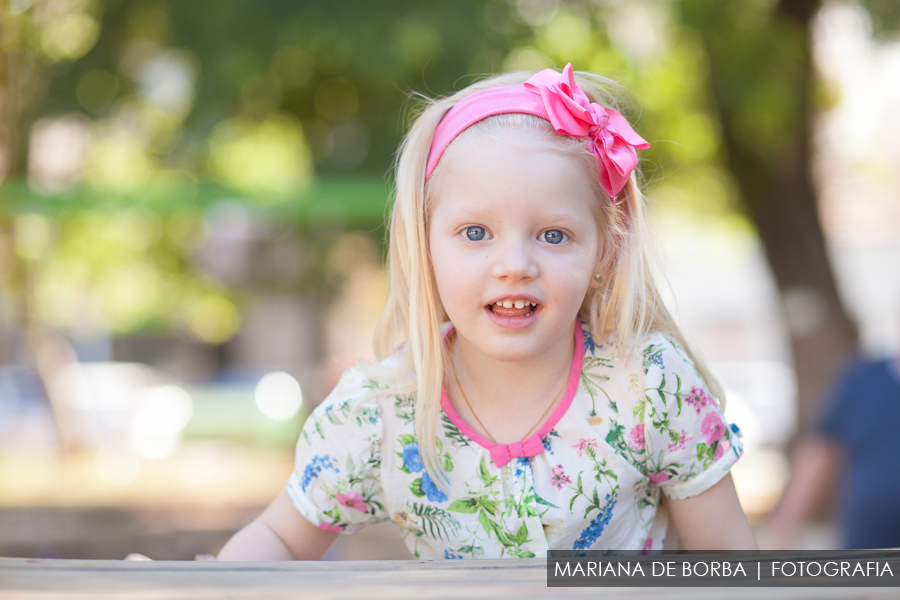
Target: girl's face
[512, 224]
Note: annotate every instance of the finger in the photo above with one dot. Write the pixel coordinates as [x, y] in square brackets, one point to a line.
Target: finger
[136, 556]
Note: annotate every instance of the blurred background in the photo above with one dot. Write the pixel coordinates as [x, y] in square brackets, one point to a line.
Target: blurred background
[191, 227]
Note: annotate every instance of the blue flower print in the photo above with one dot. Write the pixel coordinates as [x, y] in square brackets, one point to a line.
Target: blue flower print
[522, 462]
[653, 356]
[431, 491]
[451, 555]
[412, 460]
[546, 440]
[589, 343]
[315, 467]
[593, 531]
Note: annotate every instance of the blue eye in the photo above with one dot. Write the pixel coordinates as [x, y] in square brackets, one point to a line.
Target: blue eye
[476, 234]
[554, 236]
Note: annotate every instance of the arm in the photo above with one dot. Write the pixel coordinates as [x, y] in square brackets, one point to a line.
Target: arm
[815, 462]
[712, 520]
[279, 533]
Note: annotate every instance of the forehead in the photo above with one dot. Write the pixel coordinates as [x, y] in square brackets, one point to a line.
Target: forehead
[511, 173]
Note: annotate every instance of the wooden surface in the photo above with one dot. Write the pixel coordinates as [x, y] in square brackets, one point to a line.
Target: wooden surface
[46, 579]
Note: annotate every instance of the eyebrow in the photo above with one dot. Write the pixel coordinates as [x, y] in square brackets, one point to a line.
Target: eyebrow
[476, 213]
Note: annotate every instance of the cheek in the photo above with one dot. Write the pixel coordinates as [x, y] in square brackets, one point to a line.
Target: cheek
[447, 273]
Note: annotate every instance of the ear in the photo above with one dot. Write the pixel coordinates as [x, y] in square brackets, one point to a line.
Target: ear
[601, 267]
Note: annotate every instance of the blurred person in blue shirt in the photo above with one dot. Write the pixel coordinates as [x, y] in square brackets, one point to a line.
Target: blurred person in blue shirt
[854, 444]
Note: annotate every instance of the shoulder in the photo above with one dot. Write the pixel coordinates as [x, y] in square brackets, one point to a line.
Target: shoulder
[864, 369]
[351, 409]
[670, 375]
[659, 351]
[652, 350]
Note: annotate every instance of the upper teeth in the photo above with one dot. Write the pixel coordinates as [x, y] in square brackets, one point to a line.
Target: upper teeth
[516, 303]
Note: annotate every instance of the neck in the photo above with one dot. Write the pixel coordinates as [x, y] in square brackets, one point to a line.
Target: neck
[494, 385]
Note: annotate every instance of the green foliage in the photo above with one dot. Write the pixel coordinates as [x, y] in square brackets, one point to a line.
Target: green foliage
[436, 521]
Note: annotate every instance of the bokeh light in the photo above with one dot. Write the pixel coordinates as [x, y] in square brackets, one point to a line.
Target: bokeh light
[156, 430]
[265, 158]
[278, 396]
[117, 463]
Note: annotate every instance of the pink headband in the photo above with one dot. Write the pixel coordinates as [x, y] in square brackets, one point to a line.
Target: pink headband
[556, 98]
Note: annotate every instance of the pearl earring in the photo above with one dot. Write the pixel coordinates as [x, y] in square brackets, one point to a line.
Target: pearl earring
[598, 277]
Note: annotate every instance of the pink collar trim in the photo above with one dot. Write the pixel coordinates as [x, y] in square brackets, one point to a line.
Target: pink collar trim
[532, 445]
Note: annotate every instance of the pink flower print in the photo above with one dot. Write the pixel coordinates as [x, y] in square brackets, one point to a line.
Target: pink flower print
[648, 545]
[583, 443]
[353, 500]
[559, 478]
[698, 398]
[636, 437]
[723, 447]
[330, 527]
[658, 477]
[683, 439]
[713, 427]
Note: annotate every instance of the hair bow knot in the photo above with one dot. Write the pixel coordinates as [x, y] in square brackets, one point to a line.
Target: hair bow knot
[570, 111]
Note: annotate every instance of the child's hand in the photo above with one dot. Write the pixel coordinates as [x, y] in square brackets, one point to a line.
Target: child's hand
[136, 556]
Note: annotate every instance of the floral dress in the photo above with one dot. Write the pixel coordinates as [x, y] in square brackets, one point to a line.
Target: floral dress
[590, 478]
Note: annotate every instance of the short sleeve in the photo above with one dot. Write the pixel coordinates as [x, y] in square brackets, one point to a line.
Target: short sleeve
[336, 483]
[690, 446]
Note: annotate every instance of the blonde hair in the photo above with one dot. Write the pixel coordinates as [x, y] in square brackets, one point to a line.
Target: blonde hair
[625, 310]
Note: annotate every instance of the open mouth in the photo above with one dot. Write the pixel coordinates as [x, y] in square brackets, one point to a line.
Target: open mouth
[513, 308]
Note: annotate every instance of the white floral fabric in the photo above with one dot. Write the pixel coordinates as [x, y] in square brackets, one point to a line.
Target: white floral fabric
[630, 431]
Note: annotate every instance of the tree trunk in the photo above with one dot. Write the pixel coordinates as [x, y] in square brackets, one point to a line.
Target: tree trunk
[15, 78]
[761, 75]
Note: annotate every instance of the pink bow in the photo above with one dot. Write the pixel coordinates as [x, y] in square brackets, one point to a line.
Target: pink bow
[571, 113]
[503, 453]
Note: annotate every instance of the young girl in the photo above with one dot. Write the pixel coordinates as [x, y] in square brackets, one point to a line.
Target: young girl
[533, 392]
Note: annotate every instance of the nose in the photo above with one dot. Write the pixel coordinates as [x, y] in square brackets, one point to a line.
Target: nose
[514, 261]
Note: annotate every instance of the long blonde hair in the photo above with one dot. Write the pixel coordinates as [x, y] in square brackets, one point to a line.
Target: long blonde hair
[623, 311]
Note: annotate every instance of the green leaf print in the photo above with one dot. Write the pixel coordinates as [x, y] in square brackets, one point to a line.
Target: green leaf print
[487, 504]
[522, 535]
[678, 393]
[469, 505]
[407, 439]
[540, 500]
[526, 554]
[616, 431]
[484, 474]
[416, 488]
[639, 408]
[448, 463]
[591, 380]
[485, 521]
[471, 549]
[404, 407]
[453, 433]
[701, 450]
[436, 521]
